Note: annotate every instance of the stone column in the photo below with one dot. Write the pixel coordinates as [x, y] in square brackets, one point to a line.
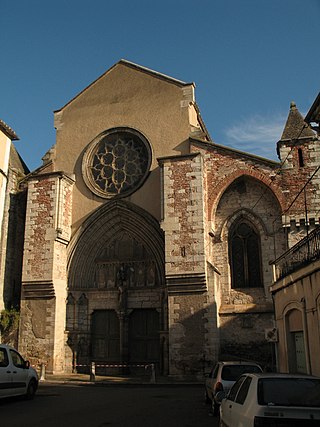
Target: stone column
[185, 263]
[44, 276]
[122, 276]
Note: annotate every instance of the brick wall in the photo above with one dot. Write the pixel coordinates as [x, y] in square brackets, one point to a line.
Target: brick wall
[184, 226]
[183, 215]
[44, 278]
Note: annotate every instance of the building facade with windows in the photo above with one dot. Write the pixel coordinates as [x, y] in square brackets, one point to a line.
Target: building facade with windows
[147, 242]
[12, 216]
[296, 287]
[296, 294]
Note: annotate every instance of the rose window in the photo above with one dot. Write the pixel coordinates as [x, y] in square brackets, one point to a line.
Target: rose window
[116, 163]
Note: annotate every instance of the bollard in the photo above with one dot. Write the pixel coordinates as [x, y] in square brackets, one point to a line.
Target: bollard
[153, 374]
[92, 372]
[42, 372]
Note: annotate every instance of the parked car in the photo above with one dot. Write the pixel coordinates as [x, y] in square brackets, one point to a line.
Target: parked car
[223, 376]
[277, 400]
[17, 377]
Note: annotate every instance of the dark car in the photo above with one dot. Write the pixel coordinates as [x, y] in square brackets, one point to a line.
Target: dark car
[222, 377]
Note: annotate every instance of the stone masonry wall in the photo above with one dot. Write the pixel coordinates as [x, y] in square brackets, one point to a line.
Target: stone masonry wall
[295, 175]
[187, 331]
[302, 205]
[12, 242]
[44, 278]
[183, 215]
[237, 188]
[183, 223]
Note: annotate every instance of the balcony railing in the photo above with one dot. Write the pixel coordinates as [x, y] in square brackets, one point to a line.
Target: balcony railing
[301, 254]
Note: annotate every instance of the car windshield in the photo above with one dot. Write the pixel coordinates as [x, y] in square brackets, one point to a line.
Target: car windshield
[233, 372]
[289, 392]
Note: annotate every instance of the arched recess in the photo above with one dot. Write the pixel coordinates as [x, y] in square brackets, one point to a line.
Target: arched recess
[115, 266]
[247, 199]
[249, 194]
[102, 229]
[296, 338]
[217, 191]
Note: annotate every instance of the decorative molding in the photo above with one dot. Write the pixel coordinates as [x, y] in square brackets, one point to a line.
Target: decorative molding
[186, 283]
[43, 289]
[266, 307]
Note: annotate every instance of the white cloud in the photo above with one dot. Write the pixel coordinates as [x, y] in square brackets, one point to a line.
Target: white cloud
[257, 135]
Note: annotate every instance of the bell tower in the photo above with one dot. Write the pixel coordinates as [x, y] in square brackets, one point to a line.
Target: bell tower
[299, 152]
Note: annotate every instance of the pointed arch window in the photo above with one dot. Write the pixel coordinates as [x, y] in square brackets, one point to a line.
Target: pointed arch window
[245, 256]
[300, 157]
[71, 316]
[83, 312]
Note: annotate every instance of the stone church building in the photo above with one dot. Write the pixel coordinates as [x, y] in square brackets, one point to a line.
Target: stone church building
[147, 242]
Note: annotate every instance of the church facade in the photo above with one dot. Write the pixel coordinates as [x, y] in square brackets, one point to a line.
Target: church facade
[147, 242]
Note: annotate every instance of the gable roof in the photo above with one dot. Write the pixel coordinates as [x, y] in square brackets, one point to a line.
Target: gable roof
[8, 131]
[152, 72]
[136, 67]
[17, 162]
[207, 145]
[313, 114]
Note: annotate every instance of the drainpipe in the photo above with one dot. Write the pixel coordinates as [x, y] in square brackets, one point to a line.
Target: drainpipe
[306, 335]
[276, 326]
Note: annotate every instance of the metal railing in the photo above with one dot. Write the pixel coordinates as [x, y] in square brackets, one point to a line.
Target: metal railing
[300, 255]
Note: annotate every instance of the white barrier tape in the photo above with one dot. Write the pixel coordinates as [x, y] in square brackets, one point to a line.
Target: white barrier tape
[115, 366]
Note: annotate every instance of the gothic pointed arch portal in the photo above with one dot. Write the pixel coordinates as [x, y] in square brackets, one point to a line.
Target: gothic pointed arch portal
[116, 265]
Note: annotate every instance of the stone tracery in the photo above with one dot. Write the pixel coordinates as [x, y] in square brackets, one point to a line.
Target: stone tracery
[116, 162]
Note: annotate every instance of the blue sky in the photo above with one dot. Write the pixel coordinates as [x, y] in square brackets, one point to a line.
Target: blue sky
[248, 58]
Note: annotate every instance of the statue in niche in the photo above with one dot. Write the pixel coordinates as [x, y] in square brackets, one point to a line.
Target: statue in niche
[122, 275]
[140, 277]
[82, 347]
[151, 275]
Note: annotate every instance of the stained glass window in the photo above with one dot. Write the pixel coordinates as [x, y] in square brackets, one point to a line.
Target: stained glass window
[117, 162]
[245, 256]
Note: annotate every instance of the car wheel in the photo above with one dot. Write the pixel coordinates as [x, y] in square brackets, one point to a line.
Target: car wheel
[207, 398]
[31, 390]
[215, 408]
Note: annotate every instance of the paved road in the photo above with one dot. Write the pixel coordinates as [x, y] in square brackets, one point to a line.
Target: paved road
[57, 405]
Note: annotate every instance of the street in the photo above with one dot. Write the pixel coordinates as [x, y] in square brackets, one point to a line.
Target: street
[59, 405]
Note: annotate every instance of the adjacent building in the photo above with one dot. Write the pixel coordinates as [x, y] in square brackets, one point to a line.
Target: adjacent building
[296, 288]
[12, 215]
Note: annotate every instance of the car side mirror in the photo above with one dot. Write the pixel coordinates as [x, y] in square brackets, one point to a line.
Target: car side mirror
[26, 364]
[220, 396]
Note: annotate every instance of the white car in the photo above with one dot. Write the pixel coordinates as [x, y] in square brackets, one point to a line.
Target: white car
[277, 400]
[17, 377]
[222, 377]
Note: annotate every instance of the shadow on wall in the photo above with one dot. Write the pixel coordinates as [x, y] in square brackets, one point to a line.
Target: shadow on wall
[199, 342]
[14, 251]
[189, 345]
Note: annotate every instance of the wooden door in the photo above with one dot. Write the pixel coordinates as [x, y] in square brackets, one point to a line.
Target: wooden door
[300, 352]
[144, 337]
[105, 336]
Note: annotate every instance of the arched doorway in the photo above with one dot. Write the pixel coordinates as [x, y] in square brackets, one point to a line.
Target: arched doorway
[117, 264]
[297, 360]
